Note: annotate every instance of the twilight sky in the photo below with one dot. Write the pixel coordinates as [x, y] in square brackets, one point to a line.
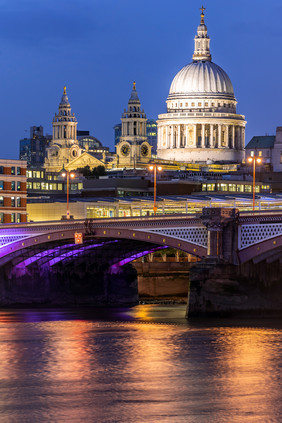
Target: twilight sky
[98, 47]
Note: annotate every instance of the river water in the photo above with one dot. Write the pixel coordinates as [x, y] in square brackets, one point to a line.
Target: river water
[141, 364]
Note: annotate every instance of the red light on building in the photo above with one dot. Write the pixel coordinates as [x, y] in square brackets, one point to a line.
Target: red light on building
[78, 238]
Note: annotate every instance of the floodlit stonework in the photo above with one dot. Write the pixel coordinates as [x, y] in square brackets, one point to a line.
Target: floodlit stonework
[64, 147]
[133, 148]
[201, 123]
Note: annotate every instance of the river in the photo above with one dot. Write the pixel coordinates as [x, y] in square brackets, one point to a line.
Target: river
[141, 364]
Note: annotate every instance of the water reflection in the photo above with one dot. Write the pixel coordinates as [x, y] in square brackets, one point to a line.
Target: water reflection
[145, 364]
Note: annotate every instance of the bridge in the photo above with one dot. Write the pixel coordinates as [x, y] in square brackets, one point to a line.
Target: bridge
[221, 237]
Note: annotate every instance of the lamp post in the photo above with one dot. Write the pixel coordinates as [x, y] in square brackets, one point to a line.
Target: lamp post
[155, 168]
[254, 160]
[68, 174]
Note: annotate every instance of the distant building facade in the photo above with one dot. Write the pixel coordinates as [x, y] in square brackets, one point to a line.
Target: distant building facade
[152, 134]
[32, 149]
[13, 191]
[269, 148]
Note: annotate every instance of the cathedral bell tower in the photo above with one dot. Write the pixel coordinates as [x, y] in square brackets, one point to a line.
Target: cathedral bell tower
[64, 146]
[133, 147]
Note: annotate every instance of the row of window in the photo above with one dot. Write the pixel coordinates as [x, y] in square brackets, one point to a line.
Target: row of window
[252, 153]
[35, 174]
[14, 170]
[14, 185]
[52, 186]
[234, 187]
[202, 105]
[15, 201]
[15, 218]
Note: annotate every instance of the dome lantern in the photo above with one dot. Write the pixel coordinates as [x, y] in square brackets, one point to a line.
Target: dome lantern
[202, 41]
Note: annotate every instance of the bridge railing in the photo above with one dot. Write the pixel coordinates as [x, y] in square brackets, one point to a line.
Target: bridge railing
[126, 220]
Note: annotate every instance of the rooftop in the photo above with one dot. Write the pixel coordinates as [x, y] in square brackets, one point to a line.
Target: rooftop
[266, 141]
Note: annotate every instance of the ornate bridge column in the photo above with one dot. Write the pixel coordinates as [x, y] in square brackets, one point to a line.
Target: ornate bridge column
[220, 235]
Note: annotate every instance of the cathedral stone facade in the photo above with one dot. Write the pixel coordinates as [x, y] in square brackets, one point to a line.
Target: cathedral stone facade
[64, 150]
[133, 147]
[201, 123]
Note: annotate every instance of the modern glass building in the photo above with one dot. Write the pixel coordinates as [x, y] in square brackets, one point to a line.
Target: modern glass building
[32, 149]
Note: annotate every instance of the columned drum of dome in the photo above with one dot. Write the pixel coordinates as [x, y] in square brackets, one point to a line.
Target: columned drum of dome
[201, 123]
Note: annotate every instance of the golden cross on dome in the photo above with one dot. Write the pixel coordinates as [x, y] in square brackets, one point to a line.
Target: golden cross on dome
[134, 85]
[202, 9]
[65, 90]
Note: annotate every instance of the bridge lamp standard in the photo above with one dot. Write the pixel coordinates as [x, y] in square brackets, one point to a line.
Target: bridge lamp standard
[254, 160]
[68, 174]
[155, 168]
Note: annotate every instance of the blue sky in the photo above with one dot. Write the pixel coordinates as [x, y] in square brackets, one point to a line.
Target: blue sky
[98, 47]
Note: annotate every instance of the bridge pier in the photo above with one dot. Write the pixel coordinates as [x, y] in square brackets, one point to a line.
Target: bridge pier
[220, 289]
[219, 285]
[73, 285]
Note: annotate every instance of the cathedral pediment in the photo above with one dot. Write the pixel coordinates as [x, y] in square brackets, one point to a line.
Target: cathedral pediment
[85, 159]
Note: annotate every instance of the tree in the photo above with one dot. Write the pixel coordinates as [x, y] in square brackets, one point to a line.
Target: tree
[94, 173]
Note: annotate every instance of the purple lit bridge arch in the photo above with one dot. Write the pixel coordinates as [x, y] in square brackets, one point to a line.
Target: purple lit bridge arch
[241, 238]
[116, 240]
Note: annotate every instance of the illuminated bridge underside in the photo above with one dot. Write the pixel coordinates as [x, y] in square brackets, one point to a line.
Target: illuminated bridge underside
[257, 234]
[30, 240]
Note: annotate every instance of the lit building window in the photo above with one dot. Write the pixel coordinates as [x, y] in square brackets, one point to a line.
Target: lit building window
[210, 187]
[240, 188]
[18, 170]
[13, 185]
[18, 185]
[18, 218]
[1, 201]
[260, 153]
[13, 203]
[248, 188]
[13, 170]
[232, 187]
[18, 201]
[1, 185]
[29, 185]
[1, 217]
[13, 217]
[223, 187]
[252, 153]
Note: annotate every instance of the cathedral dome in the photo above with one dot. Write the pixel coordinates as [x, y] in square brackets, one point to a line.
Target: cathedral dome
[201, 79]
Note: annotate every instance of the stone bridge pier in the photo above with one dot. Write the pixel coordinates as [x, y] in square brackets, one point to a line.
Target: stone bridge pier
[222, 284]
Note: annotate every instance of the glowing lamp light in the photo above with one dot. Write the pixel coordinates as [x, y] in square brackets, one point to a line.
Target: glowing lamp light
[78, 238]
[160, 168]
[151, 167]
[64, 174]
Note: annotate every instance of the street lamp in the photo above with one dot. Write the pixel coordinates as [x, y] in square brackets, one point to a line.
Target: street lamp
[68, 174]
[155, 168]
[254, 160]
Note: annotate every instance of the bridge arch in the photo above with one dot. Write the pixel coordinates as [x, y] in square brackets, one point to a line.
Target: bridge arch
[26, 245]
[260, 250]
